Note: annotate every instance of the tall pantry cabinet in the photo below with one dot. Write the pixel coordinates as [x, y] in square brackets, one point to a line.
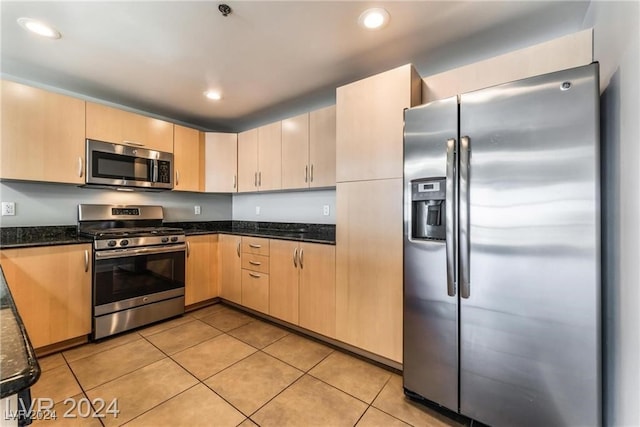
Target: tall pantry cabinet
[369, 168]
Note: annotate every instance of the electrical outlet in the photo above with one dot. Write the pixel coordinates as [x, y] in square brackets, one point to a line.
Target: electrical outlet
[325, 210]
[257, 210]
[196, 210]
[8, 208]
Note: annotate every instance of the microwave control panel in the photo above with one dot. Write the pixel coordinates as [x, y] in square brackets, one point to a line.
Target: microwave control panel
[164, 171]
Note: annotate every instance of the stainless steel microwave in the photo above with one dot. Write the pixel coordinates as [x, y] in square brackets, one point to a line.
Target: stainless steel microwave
[117, 165]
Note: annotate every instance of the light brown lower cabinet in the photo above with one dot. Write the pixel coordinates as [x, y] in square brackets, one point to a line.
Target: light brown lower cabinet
[317, 291]
[202, 269]
[369, 266]
[229, 248]
[51, 287]
[255, 273]
[302, 285]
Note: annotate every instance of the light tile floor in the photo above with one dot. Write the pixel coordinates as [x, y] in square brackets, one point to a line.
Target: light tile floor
[220, 367]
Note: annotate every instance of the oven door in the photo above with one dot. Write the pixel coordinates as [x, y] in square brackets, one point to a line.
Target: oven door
[127, 278]
[121, 165]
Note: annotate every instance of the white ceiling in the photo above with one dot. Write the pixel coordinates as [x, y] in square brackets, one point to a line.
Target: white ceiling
[267, 58]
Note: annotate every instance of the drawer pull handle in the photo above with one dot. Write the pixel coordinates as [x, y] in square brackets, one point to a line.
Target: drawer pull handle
[257, 276]
[251, 245]
[255, 263]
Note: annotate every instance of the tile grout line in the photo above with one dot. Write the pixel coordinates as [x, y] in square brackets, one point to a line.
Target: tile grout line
[83, 391]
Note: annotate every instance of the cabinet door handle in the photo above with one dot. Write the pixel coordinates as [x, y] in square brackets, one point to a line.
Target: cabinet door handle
[255, 263]
[252, 245]
[177, 177]
[86, 260]
[235, 181]
[188, 249]
[255, 179]
[238, 249]
[295, 257]
[311, 172]
[301, 257]
[259, 179]
[257, 276]
[134, 143]
[306, 173]
[80, 167]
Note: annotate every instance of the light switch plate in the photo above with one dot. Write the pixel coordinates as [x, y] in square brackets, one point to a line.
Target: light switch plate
[8, 208]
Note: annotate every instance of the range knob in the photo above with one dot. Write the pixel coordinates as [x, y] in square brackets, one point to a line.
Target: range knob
[174, 238]
[164, 240]
[111, 243]
[124, 242]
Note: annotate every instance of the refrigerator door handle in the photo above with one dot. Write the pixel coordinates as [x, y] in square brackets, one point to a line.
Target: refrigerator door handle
[450, 218]
[463, 213]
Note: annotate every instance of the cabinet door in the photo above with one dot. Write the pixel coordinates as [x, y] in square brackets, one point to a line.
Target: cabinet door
[369, 266]
[322, 147]
[122, 127]
[369, 124]
[52, 289]
[42, 135]
[283, 280]
[188, 148]
[230, 268]
[270, 156]
[318, 288]
[221, 162]
[199, 285]
[255, 290]
[295, 152]
[248, 161]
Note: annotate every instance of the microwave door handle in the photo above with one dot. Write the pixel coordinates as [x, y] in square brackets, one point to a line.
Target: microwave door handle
[154, 170]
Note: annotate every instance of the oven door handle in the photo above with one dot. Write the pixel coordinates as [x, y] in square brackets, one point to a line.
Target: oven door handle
[122, 253]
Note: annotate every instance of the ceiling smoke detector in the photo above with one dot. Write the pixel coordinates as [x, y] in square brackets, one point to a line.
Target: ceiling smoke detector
[224, 9]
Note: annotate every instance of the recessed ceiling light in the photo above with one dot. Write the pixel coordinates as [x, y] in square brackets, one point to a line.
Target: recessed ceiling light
[40, 28]
[373, 19]
[213, 95]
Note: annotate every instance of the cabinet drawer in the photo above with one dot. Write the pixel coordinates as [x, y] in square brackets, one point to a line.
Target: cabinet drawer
[255, 245]
[255, 290]
[259, 263]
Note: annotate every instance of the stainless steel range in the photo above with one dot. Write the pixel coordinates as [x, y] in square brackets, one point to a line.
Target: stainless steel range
[138, 266]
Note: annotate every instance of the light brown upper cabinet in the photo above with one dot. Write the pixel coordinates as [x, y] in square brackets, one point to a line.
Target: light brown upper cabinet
[309, 150]
[188, 159]
[42, 135]
[369, 124]
[295, 152]
[322, 147]
[270, 156]
[248, 161]
[122, 127]
[51, 286]
[221, 162]
[260, 158]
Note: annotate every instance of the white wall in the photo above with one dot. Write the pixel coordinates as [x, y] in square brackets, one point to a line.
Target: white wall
[295, 206]
[617, 48]
[56, 204]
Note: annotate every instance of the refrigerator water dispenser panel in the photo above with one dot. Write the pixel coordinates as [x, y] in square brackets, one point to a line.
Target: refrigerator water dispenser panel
[428, 208]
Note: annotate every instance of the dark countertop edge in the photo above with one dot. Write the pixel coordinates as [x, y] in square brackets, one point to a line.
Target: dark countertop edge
[190, 228]
[30, 375]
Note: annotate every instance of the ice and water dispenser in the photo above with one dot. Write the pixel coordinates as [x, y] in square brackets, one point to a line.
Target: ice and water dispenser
[428, 208]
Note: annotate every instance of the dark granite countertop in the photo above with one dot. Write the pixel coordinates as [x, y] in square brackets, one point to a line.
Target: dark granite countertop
[21, 237]
[312, 233]
[19, 367]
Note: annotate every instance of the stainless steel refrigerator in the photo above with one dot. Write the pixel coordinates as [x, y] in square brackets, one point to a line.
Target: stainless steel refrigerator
[502, 252]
